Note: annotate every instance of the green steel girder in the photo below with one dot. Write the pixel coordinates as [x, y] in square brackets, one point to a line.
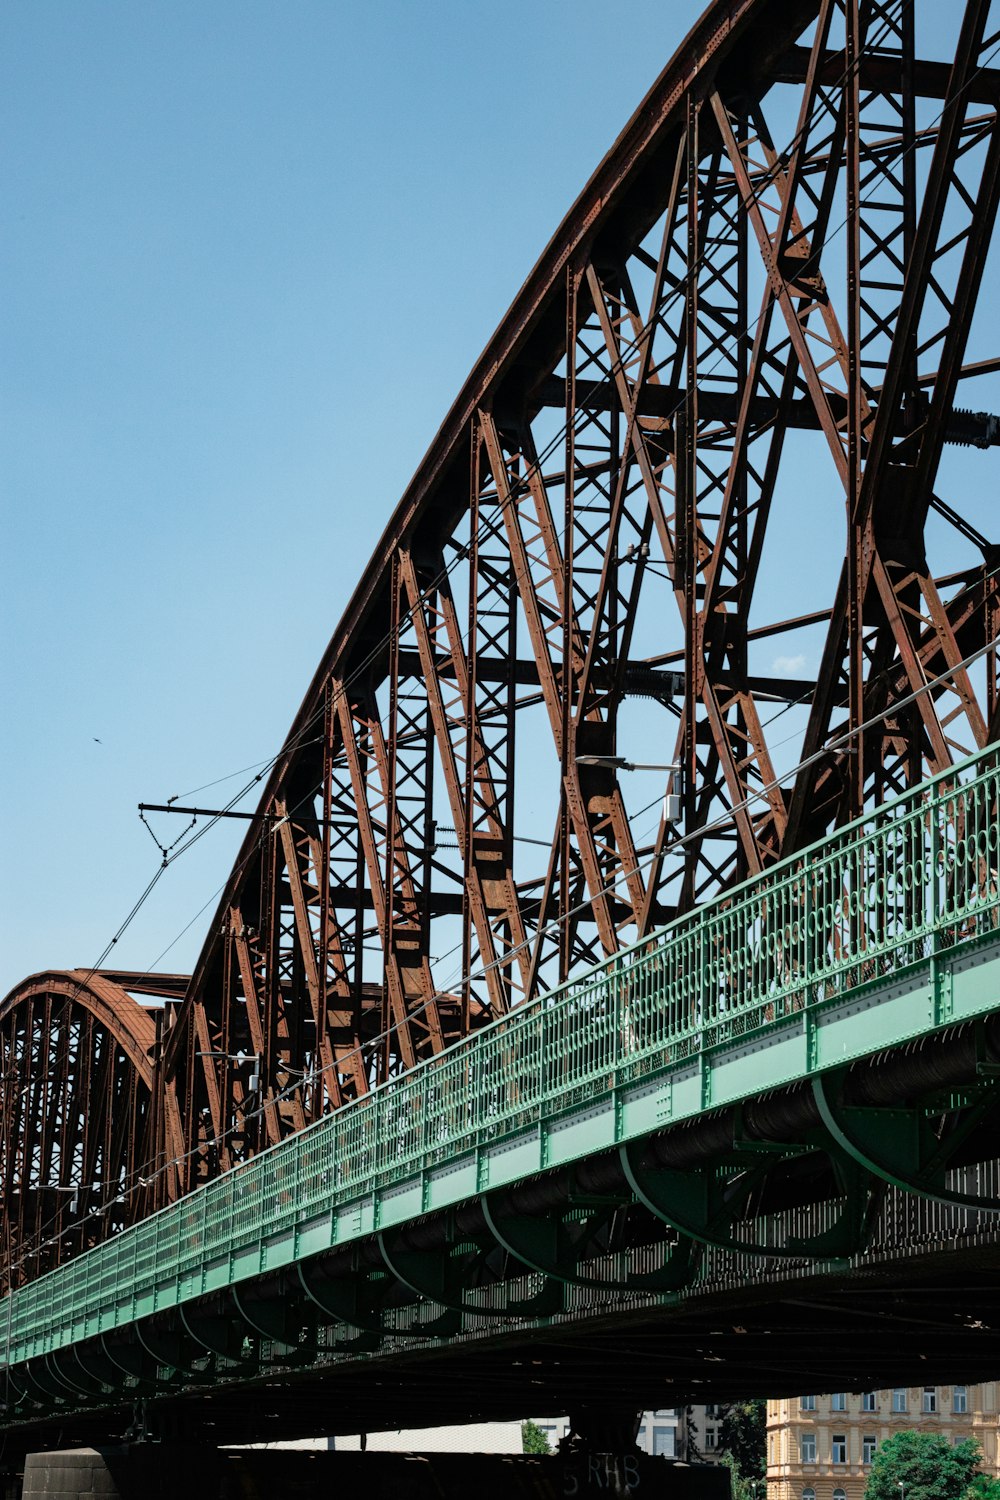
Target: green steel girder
[64, 1367]
[69, 1380]
[73, 1380]
[69, 1389]
[547, 1244]
[19, 1388]
[170, 1351]
[705, 1204]
[899, 1145]
[860, 1197]
[439, 1276]
[546, 1302]
[443, 1325]
[443, 1277]
[345, 1300]
[435, 1276]
[97, 1367]
[215, 1333]
[281, 1320]
[702, 1204]
[43, 1388]
[133, 1361]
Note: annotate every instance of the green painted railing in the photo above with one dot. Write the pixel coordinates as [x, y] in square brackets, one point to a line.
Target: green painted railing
[918, 875]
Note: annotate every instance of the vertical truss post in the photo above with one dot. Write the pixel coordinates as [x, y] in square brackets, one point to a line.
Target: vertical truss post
[491, 716]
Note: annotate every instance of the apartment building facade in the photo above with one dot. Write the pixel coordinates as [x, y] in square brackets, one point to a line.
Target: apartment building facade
[822, 1447]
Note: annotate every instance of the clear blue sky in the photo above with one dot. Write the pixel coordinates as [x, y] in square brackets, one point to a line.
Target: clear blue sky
[249, 252]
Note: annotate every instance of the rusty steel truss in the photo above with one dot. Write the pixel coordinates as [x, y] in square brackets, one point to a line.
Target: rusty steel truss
[82, 1112]
[767, 296]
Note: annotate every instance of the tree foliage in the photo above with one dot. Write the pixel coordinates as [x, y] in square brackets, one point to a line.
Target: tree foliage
[533, 1439]
[740, 1488]
[926, 1465]
[743, 1435]
[983, 1487]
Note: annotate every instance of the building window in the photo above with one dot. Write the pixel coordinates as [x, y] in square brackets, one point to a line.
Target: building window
[899, 1398]
[960, 1398]
[930, 1398]
[807, 1448]
[808, 1495]
[807, 1403]
[838, 1449]
[868, 1446]
[868, 1401]
[664, 1444]
[711, 1410]
[709, 1438]
[839, 1495]
[838, 1401]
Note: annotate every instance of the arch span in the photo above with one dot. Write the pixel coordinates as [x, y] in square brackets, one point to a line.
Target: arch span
[81, 1125]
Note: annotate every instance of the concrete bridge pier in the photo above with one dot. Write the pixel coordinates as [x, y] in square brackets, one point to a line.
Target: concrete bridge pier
[75, 1474]
[600, 1455]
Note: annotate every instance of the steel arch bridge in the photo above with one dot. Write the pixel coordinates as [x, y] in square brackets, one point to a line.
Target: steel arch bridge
[751, 332]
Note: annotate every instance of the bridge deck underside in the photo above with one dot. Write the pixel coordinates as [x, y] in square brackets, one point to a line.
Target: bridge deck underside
[878, 1328]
